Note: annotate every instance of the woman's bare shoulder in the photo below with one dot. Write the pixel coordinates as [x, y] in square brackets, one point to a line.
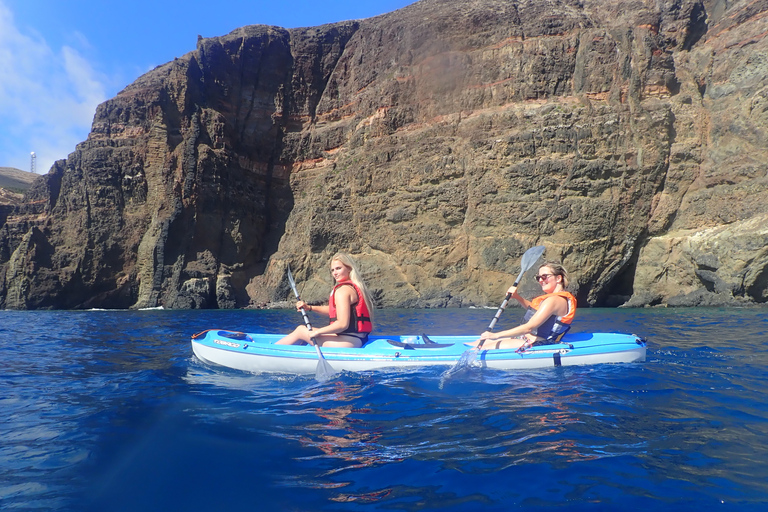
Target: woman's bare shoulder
[346, 291]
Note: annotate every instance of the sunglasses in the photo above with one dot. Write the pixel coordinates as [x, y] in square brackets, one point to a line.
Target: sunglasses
[543, 277]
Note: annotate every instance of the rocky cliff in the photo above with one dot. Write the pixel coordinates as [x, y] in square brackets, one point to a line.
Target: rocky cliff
[436, 143]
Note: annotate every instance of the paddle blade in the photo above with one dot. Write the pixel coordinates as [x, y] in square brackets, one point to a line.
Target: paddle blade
[292, 283]
[466, 360]
[324, 369]
[529, 258]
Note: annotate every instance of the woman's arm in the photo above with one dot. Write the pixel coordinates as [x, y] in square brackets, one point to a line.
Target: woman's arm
[547, 308]
[513, 291]
[309, 307]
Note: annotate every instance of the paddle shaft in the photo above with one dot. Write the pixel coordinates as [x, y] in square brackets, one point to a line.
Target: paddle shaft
[303, 311]
[324, 369]
[306, 318]
[528, 259]
[504, 303]
[500, 310]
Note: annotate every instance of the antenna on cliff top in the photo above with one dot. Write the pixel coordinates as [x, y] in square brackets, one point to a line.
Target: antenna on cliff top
[32, 162]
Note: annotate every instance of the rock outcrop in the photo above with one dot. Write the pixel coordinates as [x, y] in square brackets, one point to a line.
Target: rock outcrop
[437, 143]
[13, 183]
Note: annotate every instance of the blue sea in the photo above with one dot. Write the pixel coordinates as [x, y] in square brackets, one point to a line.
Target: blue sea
[110, 411]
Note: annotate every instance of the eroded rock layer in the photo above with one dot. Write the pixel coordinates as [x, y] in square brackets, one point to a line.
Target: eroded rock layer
[436, 143]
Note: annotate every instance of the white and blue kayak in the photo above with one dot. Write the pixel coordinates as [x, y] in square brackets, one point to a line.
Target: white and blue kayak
[256, 353]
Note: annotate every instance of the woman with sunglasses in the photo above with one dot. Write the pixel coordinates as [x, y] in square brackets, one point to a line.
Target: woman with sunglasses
[350, 309]
[547, 317]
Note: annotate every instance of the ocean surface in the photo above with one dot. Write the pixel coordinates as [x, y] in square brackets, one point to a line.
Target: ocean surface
[110, 411]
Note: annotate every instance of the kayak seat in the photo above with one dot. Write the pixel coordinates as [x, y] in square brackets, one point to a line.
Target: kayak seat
[412, 346]
[400, 344]
[234, 335]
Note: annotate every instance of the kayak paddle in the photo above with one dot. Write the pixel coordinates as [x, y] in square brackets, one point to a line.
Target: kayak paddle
[324, 370]
[529, 258]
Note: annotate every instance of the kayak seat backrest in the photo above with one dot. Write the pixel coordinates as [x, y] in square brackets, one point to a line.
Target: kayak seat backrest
[233, 335]
[557, 336]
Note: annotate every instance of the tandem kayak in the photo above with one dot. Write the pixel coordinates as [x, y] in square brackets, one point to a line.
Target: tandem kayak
[253, 352]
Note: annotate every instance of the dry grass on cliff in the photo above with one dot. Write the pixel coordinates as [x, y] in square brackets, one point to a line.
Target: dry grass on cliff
[13, 184]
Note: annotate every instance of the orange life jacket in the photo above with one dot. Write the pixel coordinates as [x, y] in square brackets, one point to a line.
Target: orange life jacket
[359, 318]
[555, 326]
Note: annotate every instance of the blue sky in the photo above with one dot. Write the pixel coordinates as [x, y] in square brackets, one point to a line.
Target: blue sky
[60, 58]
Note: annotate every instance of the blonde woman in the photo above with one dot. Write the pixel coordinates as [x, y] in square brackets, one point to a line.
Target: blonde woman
[349, 308]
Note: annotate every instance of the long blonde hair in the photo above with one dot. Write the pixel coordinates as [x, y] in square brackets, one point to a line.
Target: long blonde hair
[354, 276]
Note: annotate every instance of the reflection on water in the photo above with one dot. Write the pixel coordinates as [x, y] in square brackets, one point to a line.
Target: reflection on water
[344, 435]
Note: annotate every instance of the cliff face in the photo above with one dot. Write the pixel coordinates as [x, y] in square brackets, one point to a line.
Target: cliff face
[436, 143]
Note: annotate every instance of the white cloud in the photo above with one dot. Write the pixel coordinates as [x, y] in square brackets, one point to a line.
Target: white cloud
[47, 97]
